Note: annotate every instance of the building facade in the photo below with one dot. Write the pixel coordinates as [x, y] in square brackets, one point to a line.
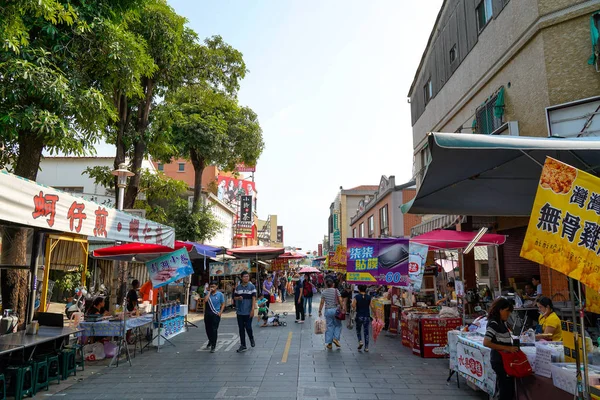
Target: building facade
[494, 66]
[342, 210]
[380, 216]
[225, 215]
[506, 67]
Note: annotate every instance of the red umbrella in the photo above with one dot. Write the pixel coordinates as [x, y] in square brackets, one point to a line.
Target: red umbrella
[139, 251]
[291, 256]
[257, 252]
[447, 239]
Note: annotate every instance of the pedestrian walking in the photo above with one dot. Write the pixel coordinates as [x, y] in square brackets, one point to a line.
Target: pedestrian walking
[307, 294]
[298, 301]
[245, 303]
[282, 287]
[330, 302]
[268, 289]
[214, 304]
[498, 338]
[363, 307]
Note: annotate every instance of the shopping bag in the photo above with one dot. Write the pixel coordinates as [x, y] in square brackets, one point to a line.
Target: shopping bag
[272, 298]
[516, 364]
[352, 317]
[319, 326]
[376, 327]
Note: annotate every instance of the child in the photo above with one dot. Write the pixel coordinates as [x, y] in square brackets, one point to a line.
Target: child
[262, 306]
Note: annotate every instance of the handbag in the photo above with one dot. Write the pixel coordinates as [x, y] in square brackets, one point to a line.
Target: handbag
[339, 313]
[516, 364]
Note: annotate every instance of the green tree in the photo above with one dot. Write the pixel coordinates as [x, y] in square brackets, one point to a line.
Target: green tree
[48, 98]
[208, 127]
[165, 201]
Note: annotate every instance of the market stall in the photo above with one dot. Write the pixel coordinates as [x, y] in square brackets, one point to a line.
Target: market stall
[227, 274]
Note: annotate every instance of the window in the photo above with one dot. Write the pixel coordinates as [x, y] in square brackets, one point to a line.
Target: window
[181, 167]
[485, 116]
[484, 13]
[354, 232]
[485, 270]
[452, 54]
[428, 91]
[160, 167]
[371, 226]
[362, 230]
[383, 221]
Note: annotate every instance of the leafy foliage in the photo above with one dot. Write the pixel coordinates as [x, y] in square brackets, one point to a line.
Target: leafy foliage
[200, 225]
[71, 280]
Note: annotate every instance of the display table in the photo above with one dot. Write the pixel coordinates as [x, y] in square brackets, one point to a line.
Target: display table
[471, 360]
[113, 328]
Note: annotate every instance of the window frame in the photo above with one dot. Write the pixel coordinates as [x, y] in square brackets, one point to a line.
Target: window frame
[484, 266]
[354, 232]
[180, 167]
[487, 110]
[453, 51]
[384, 227]
[488, 14]
[428, 91]
[160, 167]
[362, 230]
[371, 226]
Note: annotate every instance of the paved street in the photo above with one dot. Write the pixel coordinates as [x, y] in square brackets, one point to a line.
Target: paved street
[273, 369]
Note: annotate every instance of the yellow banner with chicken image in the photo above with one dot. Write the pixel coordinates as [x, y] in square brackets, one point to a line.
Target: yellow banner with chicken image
[564, 227]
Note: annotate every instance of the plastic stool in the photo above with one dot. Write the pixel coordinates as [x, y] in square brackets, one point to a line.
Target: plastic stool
[40, 375]
[53, 368]
[20, 381]
[67, 363]
[2, 387]
[78, 348]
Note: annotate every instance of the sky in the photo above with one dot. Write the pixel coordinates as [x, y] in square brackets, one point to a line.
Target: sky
[329, 82]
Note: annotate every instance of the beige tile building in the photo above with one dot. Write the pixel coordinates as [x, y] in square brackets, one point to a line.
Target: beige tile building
[533, 51]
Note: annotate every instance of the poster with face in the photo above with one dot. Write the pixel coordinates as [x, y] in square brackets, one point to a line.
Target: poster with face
[230, 190]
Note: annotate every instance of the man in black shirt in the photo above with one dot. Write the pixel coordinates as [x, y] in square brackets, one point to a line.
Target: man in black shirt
[132, 296]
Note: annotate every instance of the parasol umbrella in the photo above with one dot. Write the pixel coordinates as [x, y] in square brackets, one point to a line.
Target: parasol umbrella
[142, 252]
[308, 270]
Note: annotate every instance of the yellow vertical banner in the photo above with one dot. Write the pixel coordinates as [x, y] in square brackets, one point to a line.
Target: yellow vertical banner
[564, 227]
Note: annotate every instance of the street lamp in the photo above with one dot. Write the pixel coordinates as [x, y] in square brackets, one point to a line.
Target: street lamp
[122, 174]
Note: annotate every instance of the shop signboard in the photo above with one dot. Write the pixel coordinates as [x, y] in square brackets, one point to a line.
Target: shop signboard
[217, 269]
[230, 189]
[377, 261]
[246, 209]
[233, 267]
[170, 268]
[564, 228]
[416, 264]
[279, 233]
[320, 250]
[470, 362]
[241, 167]
[29, 203]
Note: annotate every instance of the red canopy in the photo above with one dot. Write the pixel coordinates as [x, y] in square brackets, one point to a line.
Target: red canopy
[291, 256]
[127, 251]
[256, 252]
[445, 239]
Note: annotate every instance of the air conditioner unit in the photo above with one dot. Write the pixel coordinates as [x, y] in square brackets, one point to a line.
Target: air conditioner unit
[510, 128]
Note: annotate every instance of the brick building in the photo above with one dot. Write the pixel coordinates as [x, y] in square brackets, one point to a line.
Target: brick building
[505, 67]
[379, 215]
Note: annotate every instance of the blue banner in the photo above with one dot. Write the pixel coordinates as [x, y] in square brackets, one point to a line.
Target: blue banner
[416, 264]
[170, 268]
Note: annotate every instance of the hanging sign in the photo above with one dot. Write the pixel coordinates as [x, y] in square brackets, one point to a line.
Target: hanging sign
[416, 264]
[470, 361]
[564, 228]
[377, 261]
[28, 203]
[170, 268]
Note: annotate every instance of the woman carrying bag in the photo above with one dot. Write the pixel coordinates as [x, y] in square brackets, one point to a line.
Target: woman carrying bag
[498, 338]
[363, 307]
[332, 302]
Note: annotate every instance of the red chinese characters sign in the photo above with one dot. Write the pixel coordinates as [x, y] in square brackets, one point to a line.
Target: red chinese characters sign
[28, 203]
[470, 361]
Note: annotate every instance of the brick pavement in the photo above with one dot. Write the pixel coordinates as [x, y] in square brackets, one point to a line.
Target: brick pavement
[186, 371]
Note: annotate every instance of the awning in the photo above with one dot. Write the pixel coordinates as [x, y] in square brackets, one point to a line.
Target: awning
[257, 252]
[437, 222]
[28, 203]
[494, 175]
[446, 239]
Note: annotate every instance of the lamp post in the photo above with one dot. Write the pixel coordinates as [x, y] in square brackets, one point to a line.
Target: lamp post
[122, 174]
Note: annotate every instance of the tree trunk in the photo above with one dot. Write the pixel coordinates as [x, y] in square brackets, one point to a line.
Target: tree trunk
[14, 282]
[198, 163]
[140, 142]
